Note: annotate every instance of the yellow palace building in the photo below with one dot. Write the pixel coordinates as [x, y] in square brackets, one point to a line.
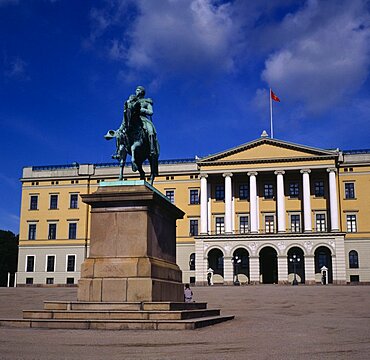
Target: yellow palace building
[257, 213]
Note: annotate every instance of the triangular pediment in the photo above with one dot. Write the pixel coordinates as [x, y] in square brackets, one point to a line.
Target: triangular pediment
[266, 149]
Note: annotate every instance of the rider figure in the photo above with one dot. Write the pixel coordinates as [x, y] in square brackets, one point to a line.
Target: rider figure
[146, 111]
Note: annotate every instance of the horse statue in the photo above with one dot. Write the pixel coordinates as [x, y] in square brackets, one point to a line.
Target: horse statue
[136, 136]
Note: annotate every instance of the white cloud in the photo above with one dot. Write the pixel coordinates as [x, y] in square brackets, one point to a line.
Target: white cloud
[172, 35]
[324, 53]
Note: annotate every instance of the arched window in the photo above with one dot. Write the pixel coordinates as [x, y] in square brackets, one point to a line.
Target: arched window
[192, 261]
[353, 259]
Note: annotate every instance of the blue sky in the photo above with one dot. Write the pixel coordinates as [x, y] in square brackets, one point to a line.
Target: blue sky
[66, 68]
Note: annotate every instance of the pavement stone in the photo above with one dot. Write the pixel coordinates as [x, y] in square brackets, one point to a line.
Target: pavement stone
[271, 322]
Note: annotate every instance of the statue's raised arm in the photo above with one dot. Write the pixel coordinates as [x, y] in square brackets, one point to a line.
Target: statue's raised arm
[137, 135]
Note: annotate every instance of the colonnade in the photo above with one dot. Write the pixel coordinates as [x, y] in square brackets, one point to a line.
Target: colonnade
[205, 212]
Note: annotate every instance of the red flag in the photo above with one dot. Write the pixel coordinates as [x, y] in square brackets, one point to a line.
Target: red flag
[273, 96]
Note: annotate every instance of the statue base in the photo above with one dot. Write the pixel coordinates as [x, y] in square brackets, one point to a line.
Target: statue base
[132, 247]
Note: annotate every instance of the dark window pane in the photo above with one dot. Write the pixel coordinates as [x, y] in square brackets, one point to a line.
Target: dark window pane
[243, 192]
[193, 227]
[268, 191]
[294, 189]
[71, 260]
[349, 190]
[243, 224]
[74, 201]
[220, 192]
[53, 201]
[194, 196]
[353, 259]
[171, 195]
[319, 188]
[30, 264]
[192, 261]
[52, 231]
[72, 231]
[32, 232]
[220, 226]
[33, 202]
[50, 263]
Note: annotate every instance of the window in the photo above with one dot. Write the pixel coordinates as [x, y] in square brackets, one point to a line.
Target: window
[72, 231]
[193, 227]
[220, 192]
[71, 263]
[33, 202]
[70, 281]
[49, 281]
[243, 191]
[30, 263]
[353, 259]
[171, 195]
[351, 223]
[243, 224]
[293, 189]
[320, 223]
[192, 261]
[32, 232]
[50, 263]
[53, 201]
[349, 189]
[73, 201]
[29, 281]
[52, 231]
[354, 278]
[268, 191]
[295, 223]
[319, 188]
[269, 223]
[220, 226]
[194, 196]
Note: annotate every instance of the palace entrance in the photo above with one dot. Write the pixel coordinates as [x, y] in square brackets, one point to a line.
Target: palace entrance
[268, 265]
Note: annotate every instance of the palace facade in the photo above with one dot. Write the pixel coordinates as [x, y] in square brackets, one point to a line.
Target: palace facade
[262, 212]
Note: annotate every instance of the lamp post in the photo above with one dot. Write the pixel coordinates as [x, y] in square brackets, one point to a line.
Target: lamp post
[236, 261]
[294, 259]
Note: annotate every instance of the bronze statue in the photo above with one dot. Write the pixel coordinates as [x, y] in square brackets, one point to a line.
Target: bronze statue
[137, 135]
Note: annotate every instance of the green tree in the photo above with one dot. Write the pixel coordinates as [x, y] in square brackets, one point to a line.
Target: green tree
[8, 255]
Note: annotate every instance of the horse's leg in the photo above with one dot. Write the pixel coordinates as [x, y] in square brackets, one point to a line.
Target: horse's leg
[133, 156]
[123, 156]
[153, 160]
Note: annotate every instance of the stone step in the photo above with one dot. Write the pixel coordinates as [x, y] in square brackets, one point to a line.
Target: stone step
[116, 324]
[147, 306]
[119, 314]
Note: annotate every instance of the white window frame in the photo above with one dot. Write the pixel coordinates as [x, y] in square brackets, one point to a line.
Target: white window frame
[70, 196]
[34, 264]
[222, 227]
[56, 229]
[46, 263]
[174, 194]
[28, 230]
[300, 221]
[38, 197]
[249, 225]
[274, 224]
[354, 190]
[356, 222]
[67, 263]
[192, 219]
[326, 220]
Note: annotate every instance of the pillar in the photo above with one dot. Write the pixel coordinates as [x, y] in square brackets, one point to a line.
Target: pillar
[228, 271]
[333, 199]
[203, 204]
[306, 201]
[309, 269]
[253, 201]
[282, 269]
[228, 203]
[280, 201]
[254, 269]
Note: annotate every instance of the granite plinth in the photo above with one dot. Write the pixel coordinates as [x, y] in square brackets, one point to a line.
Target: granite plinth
[132, 246]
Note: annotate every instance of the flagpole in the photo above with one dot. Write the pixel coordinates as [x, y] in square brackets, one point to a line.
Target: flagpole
[271, 128]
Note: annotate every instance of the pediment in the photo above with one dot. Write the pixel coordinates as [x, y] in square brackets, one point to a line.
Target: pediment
[267, 150]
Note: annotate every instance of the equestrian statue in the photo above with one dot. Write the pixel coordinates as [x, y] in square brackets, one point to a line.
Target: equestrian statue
[137, 135]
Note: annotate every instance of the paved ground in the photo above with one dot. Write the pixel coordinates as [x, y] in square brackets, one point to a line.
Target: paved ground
[272, 322]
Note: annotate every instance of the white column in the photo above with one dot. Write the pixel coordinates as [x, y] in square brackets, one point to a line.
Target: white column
[333, 198]
[209, 210]
[309, 269]
[254, 269]
[306, 200]
[200, 263]
[228, 203]
[253, 201]
[282, 269]
[228, 270]
[280, 201]
[203, 204]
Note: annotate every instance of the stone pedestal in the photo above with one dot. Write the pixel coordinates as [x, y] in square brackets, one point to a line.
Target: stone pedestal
[132, 246]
